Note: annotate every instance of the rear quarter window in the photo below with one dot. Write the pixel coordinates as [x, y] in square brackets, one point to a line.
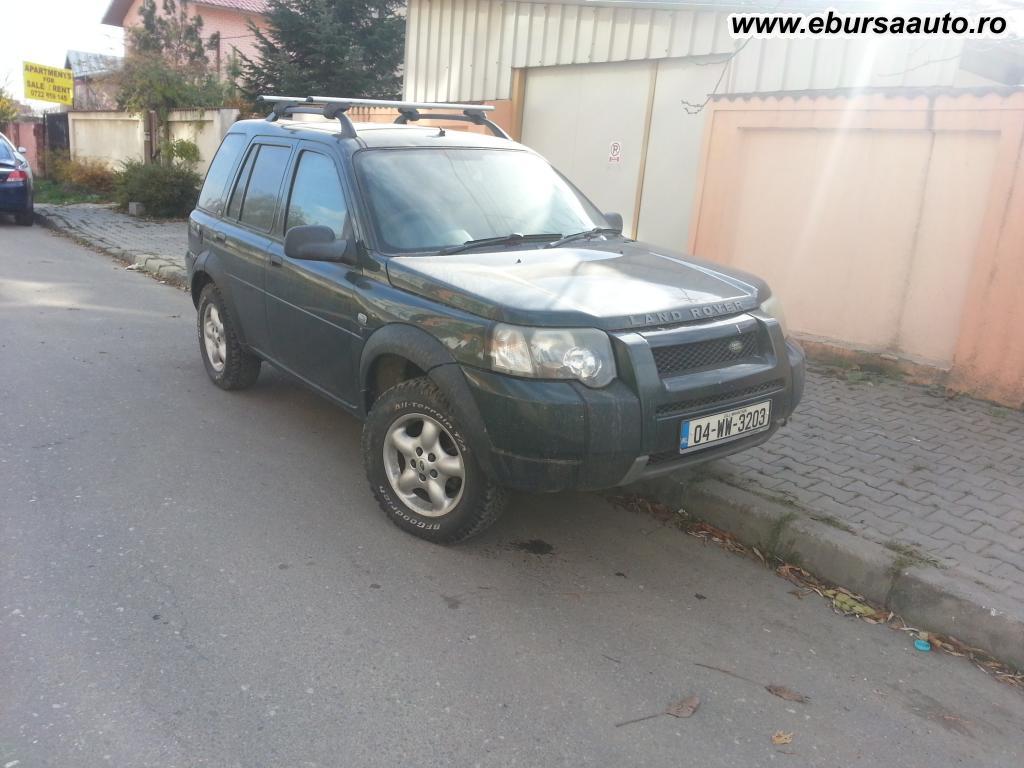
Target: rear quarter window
[215, 187]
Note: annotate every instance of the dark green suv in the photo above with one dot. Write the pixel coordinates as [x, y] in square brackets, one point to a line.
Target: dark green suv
[491, 326]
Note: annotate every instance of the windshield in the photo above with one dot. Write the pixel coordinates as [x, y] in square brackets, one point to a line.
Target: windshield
[428, 199]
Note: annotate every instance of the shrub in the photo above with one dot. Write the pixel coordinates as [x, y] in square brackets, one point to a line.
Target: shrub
[166, 191]
[89, 177]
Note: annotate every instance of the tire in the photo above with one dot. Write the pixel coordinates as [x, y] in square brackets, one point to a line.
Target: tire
[470, 503]
[231, 365]
[25, 218]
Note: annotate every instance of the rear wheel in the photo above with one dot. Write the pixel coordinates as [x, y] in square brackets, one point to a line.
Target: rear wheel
[26, 217]
[422, 471]
[228, 363]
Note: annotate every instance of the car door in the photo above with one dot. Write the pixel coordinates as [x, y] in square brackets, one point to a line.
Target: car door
[245, 237]
[311, 304]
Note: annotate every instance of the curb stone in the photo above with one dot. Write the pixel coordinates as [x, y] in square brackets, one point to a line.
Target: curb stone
[160, 267]
[935, 600]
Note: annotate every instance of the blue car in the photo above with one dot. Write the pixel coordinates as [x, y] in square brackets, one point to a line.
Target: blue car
[15, 182]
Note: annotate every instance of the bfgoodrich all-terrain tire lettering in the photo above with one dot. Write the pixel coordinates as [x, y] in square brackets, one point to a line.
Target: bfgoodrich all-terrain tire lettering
[227, 362]
[410, 483]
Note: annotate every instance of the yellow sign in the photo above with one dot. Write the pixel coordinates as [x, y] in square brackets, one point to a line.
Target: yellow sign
[49, 83]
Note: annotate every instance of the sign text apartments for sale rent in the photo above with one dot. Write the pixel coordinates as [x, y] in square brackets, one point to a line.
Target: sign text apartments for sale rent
[48, 83]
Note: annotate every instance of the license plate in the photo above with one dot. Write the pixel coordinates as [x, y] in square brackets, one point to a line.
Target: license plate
[727, 425]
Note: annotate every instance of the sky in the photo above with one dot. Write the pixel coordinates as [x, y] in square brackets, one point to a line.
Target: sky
[44, 31]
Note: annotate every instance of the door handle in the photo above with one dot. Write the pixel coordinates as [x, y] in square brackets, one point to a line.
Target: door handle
[220, 237]
[276, 260]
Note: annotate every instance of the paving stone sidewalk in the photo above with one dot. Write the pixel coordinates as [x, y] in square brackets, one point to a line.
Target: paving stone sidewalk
[155, 246]
[904, 466]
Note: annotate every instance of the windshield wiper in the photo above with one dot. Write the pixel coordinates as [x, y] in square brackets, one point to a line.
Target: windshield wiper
[585, 235]
[510, 239]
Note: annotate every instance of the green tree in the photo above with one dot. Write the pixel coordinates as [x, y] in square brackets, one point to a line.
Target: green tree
[8, 106]
[166, 65]
[328, 47]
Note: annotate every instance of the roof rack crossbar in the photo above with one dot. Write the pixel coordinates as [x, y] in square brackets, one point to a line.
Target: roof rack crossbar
[471, 115]
[284, 106]
[409, 111]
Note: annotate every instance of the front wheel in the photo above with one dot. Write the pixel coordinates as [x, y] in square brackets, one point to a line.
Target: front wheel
[423, 472]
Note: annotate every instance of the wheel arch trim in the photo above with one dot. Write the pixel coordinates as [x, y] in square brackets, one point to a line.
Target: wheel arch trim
[430, 355]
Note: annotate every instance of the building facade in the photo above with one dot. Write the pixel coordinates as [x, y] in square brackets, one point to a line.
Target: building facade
[228, 18]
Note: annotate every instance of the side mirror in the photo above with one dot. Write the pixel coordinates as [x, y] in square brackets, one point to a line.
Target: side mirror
[316, 243]
[614, 220]
[22, 150]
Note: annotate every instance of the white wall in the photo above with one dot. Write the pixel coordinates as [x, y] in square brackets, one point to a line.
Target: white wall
[572, 118]
[116, 137]
[674, 149]
[110, 137]
[205, 127]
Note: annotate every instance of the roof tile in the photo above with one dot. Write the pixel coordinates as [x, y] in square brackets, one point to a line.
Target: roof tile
[251, 6]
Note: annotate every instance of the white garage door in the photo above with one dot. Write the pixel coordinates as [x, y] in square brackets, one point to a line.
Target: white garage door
[588, 121]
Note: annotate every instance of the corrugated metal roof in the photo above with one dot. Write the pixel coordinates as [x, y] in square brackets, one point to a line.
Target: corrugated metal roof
[84, 63]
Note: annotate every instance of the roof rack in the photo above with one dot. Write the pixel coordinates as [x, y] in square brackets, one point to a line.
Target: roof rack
[408, 111]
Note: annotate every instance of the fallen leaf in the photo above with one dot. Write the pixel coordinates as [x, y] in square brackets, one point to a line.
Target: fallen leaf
[781, 737]
[786, 693]
[683, 708]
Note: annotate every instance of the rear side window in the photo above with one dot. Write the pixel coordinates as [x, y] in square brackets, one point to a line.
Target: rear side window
[235, 206]
[316, 196]
[264, 184]
[215, 188]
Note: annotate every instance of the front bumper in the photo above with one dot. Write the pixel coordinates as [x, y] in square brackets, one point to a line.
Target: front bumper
[553, 435]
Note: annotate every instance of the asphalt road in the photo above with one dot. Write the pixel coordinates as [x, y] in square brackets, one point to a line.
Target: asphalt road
[190, 577]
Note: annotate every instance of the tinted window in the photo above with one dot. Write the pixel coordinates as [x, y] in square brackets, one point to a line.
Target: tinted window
[214, 190]
[316, 196]
[243, 181]
[264, 183]
[6, 151]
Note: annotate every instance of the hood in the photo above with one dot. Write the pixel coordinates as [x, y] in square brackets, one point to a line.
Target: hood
[613, 286]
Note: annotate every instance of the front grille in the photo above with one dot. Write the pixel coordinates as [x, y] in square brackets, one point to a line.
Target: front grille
[680, 358]
[721, 397]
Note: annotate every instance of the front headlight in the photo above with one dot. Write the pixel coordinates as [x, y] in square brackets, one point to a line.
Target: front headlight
[773, 308]
[584, 354]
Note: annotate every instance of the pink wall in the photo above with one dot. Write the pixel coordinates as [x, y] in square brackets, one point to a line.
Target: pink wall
[232, 25]
[990, 351]
[30, 136]
[889, 223]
